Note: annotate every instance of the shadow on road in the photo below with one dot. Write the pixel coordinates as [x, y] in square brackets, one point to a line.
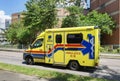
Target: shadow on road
[107, 73]
[83, 69]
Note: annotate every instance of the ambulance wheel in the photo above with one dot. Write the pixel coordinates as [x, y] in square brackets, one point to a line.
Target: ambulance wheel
[29, 61]
[73, 65]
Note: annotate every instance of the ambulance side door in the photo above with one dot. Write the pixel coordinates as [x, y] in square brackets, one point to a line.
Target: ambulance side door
[59, 50]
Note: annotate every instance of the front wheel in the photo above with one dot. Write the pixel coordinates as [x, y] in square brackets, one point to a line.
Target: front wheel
[29, 61]
[73, 65]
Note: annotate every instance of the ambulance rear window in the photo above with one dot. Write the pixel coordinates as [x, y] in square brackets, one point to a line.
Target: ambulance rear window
[74, 38]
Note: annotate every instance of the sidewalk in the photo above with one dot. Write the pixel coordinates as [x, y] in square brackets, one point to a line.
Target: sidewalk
[107, 55]
[102, 55]
[11, 49]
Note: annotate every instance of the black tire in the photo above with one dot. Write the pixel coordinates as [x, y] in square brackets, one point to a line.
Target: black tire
[73, 65]
[29, 61]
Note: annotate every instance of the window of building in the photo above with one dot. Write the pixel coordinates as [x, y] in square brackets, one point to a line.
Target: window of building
[74, 38]
[58, 38]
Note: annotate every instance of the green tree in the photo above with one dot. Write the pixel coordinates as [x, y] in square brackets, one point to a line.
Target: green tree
[72, 20]
[17, 33]
[11, 33]
[40, 14]
[104, 21]
[77, 2]
[23, 35]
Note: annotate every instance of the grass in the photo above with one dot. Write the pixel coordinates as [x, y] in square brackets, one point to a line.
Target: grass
[50, 75]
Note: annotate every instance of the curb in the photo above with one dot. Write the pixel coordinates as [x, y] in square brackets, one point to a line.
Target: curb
[110, 56]
[12, 50]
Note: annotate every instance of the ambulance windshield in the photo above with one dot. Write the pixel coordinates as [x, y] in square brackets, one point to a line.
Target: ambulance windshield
[37, 43]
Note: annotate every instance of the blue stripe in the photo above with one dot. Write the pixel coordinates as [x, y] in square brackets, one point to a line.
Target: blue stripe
[38, 55]
[49, 55]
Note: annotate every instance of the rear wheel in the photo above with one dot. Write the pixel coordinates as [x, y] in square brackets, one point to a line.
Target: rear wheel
[73, 65]
[29, 61]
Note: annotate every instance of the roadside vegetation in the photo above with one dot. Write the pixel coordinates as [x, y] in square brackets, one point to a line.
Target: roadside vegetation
[109, 50]
[50, 75]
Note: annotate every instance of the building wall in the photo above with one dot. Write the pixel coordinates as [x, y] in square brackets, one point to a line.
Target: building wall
[112, 7]
[16, 17]
[61, 14]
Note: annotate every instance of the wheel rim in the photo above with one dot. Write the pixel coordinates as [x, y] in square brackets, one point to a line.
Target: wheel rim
[29, 61]
[74, 65]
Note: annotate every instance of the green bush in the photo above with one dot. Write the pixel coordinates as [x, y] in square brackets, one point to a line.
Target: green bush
[118, 50]
[106, 49]
[103, 49]
[114, 51]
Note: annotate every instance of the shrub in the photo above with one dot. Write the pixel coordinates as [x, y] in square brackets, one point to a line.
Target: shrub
[114, 51]
[118, 50]
[108, 50]
[103, 49]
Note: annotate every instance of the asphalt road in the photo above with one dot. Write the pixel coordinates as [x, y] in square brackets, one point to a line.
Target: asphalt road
[108, 68]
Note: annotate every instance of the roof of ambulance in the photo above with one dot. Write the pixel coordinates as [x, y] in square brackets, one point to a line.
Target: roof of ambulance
[71, 29]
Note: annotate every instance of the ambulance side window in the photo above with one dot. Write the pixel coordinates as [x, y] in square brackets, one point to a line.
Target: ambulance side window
[75, 38]
[58, 38]
[37, 43]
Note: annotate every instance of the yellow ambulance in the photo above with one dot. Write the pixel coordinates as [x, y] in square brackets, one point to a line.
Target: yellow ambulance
[72, 47]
